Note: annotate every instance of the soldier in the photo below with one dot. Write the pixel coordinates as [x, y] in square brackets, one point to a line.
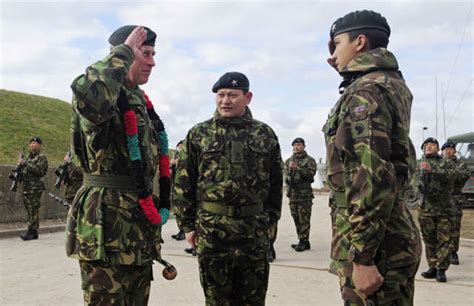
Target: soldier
[300, 169]
[74, 177]
[462, 175]
[180, 234]
[376, 247]
[437, 208]
[114, 223]
[228, 192]
[34, 168]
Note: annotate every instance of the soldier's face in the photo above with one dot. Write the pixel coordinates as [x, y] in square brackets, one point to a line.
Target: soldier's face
[298, 148]
[449, 152]
[35, 146]
[344, 51]
[430, 148]
[141, 67]
[231, 103]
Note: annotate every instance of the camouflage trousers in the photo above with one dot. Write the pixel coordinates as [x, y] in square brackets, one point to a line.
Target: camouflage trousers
[32, 203]
[436, 233]
[301, 213]
[272, 232]
[115, 284]
[456, 221]
[234, 280]
[397, 290]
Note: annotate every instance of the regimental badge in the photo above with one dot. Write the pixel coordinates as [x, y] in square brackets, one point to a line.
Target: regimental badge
[333, 28]
[234, 83]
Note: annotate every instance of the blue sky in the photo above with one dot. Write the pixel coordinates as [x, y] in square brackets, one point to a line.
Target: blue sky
[280, 45]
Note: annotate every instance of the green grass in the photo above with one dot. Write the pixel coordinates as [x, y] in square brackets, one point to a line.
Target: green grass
[23, 116]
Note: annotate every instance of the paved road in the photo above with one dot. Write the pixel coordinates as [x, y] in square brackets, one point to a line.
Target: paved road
[38, 272]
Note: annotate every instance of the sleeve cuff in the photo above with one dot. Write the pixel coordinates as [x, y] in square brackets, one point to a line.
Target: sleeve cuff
[364, 259]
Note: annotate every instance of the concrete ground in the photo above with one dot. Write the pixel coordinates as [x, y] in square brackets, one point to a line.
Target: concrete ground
[39, 273]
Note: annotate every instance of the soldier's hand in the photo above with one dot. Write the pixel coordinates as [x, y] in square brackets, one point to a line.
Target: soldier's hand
[135, 39]
[367, 279]
[293, 165]
[20, 162]
[425, 166]
[191, 238]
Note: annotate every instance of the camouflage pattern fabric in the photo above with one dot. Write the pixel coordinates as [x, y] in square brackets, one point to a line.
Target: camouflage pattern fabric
[33, 186]
[230, 162]
[107, 225]
[74, 180]
[462, 175]
[299, 180]
[301, 213]
[437, 210]
[121, 285]
[437, 235]
[300, 191]
[370, 160]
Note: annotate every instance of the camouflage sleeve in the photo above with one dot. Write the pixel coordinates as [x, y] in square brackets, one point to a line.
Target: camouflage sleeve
[275, 196]
[286, 171]
[37, 166]
[443, 172]
[308, 171]
[184, 186]
[463, 174]
[364, 140]
[98, 89]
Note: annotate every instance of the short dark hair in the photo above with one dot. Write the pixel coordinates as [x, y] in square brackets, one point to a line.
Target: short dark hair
[376, 38]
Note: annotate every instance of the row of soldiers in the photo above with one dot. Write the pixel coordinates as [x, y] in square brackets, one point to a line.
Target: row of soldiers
[227, 190]
[440, 180]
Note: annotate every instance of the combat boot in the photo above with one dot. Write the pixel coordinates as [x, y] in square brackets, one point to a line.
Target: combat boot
[30, 234]
[303, 245]
[191, 251]
[271, 253]
[294, 245]
[441, 276]
[178, 236]
[430, 273]
[454, 258]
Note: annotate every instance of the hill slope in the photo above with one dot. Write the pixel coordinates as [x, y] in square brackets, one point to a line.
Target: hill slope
[23, 116]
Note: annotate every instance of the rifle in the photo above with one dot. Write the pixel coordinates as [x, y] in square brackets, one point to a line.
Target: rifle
[62, 172]
[16, 176]
[59, 200]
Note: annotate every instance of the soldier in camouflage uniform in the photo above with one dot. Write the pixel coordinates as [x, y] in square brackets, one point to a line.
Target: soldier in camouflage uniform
[173, 164]
[228, 192]
[74, 178]
[114, 223]
[34, 168]
[462, 175]
[300, 170]
[435, 179]
[376, 247]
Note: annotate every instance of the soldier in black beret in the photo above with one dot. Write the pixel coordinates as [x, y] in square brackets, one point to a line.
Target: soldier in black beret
[369, 164]
[232, 80]
[448, 144]
[430, 140]
[298, 140]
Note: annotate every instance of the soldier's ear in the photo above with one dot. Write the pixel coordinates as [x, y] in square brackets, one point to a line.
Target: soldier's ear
[249, 96]
[363, 43]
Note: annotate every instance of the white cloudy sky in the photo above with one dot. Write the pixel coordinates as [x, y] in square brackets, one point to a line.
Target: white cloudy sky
[280, 45]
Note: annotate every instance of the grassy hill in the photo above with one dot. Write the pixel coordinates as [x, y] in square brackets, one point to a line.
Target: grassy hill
[23, 116]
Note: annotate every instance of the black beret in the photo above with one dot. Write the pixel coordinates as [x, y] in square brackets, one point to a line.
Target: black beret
[429, 140]
[120, 36]
[448, 144]
[298, 140]
[232, 80]
[37, 139]
[359, 20]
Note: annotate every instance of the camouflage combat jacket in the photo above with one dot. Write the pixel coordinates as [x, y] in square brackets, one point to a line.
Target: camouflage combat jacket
[299, 180]
[370, 159]
[33, 172]
[436, 186]
[462, 174]
[107, 224]
[229, 162]
[74, 181]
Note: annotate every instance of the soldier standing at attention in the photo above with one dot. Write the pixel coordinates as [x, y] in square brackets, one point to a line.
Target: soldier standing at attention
[114, 223]
[34, 168]
[228, 192]
[370, 160]
[300, 169]
[435, 179]
[462, 175]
